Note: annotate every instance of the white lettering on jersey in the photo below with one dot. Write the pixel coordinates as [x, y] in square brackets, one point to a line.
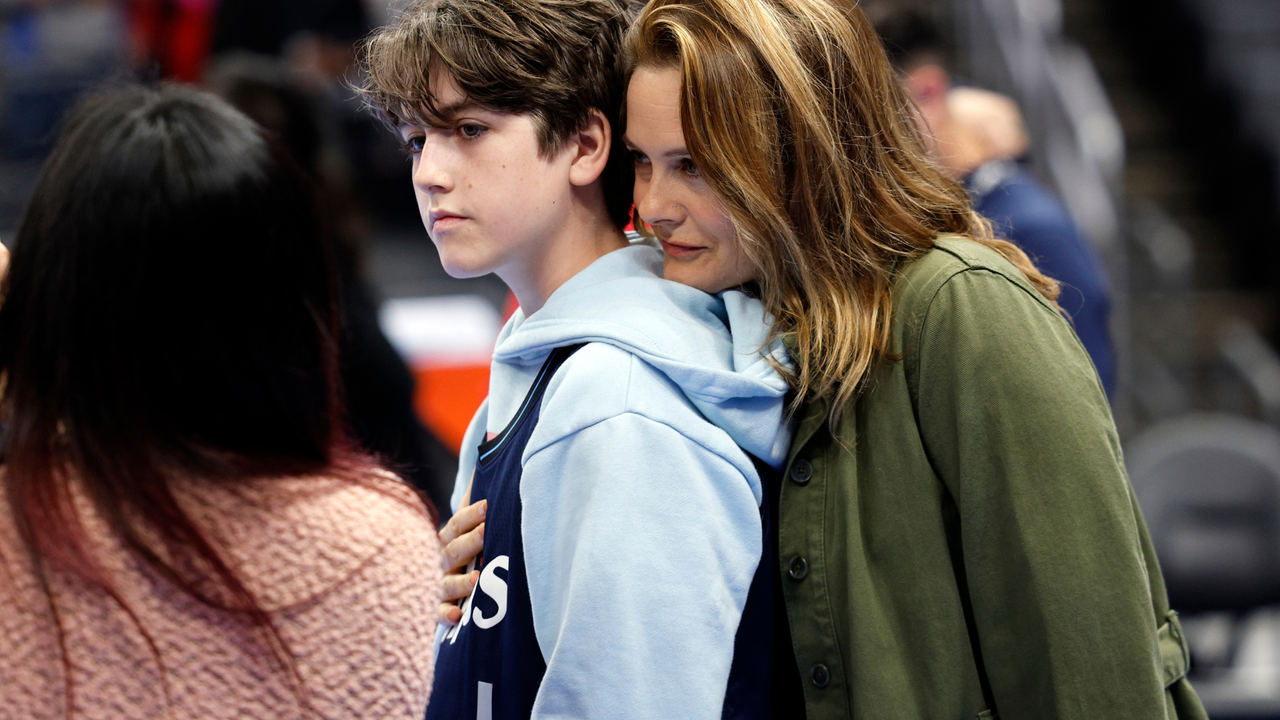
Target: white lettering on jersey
[493, 586]
[466, 618]
[484, 701]
[496, 588]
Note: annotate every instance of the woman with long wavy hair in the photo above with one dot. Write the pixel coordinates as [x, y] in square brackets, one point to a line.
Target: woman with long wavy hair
[185, 529]
[957, 534]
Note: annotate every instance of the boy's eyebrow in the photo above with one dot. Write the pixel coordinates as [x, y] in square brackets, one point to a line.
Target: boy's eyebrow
[445, 113]
[453, 109]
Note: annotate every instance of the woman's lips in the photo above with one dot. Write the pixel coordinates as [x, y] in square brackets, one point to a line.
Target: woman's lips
[678, 250]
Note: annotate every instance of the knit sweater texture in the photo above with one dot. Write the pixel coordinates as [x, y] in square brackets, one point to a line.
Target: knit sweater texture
[349, 573]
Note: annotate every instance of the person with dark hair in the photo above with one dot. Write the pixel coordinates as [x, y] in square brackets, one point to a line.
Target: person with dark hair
[1001, 190]
[377, 385]
[186, 530]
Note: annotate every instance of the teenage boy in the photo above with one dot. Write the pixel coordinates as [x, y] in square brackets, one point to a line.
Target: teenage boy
[615, 450]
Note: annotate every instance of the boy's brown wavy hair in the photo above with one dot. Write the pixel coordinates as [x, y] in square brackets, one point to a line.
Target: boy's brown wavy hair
[554, 59]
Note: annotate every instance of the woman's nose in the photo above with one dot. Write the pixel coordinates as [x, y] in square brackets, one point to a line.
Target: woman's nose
[658, 202]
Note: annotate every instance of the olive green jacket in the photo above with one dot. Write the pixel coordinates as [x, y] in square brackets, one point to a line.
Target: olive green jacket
[968, 545]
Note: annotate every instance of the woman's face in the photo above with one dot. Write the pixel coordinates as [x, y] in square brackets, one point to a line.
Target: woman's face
[700, 247]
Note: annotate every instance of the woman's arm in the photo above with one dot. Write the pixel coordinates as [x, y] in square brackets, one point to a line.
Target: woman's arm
[1018, 428]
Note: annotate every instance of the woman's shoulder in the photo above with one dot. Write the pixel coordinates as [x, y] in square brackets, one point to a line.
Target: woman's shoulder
[294, 539]
[920, 280]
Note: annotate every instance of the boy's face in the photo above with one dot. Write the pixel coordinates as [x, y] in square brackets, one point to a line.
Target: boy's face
[486, 196]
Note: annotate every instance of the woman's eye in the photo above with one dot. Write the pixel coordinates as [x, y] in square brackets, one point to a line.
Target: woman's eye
[470, 131]
[639, 158]
[689, 168]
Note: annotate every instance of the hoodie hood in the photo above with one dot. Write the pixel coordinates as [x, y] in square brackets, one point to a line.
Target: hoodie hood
[713, 347]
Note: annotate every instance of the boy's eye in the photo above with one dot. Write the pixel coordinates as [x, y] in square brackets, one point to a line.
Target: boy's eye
[470, 131]
[413, 145]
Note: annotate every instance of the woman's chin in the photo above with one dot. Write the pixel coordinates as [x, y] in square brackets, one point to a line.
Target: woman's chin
[677, 271]
[700, 276]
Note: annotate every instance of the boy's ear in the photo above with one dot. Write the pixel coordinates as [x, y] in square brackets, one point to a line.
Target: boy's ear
[590, 146]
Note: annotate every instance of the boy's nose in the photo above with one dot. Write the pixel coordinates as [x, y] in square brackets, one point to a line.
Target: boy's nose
[429, 175]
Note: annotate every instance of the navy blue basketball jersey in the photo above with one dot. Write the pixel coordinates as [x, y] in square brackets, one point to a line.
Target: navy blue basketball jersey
[490, 665]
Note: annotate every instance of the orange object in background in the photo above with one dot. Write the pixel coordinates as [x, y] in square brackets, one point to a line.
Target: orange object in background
[447, 341]
[447, 396]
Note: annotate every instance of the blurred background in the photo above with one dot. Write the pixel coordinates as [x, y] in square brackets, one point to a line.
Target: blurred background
[1156, 125]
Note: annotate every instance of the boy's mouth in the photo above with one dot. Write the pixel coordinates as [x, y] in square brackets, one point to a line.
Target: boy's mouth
[442, 220]
[676, 249]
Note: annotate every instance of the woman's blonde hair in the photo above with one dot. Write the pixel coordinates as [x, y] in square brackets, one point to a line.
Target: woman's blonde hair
[793, 114]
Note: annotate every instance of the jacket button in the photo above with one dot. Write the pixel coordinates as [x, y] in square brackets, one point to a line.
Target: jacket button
[798, 568]
[801, 472]
[820, 675]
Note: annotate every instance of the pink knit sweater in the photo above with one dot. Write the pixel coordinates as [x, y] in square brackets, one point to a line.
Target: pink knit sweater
[351, 576]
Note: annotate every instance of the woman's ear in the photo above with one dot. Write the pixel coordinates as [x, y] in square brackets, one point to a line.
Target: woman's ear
[591, 150]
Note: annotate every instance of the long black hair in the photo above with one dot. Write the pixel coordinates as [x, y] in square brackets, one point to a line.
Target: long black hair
[169, 311]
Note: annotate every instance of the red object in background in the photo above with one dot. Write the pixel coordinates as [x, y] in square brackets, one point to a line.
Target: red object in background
[174, 35]
[447, 396]
[510, 306]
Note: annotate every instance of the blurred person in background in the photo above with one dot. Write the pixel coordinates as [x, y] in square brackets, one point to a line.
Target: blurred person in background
[50, 52]
[976, 138]
[314, 40]
[187, 531]
[171, 39]
[378, 386]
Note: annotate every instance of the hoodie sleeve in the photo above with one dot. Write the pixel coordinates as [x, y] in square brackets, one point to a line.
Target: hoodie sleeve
[641, 538]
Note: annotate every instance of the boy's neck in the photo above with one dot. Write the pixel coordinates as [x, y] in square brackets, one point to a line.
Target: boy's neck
[586, 235]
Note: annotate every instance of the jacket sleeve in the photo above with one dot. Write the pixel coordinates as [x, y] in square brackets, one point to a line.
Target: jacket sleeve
[1019, 430]
[640, 546]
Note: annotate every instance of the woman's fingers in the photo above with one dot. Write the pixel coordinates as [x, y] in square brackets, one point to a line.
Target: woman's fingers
[463, 540]
[465, 520]
[449, 614]
[456, 587]
[462, 550]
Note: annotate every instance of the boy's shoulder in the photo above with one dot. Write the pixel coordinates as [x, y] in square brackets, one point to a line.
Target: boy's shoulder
[602, 381]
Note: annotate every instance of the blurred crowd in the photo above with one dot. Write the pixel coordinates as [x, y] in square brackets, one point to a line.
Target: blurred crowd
[52, 50]
[285, 64]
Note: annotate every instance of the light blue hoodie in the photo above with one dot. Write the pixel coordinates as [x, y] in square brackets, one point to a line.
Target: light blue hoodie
[641, 510]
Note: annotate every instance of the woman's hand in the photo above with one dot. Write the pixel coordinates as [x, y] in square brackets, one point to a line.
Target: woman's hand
[462, 539]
